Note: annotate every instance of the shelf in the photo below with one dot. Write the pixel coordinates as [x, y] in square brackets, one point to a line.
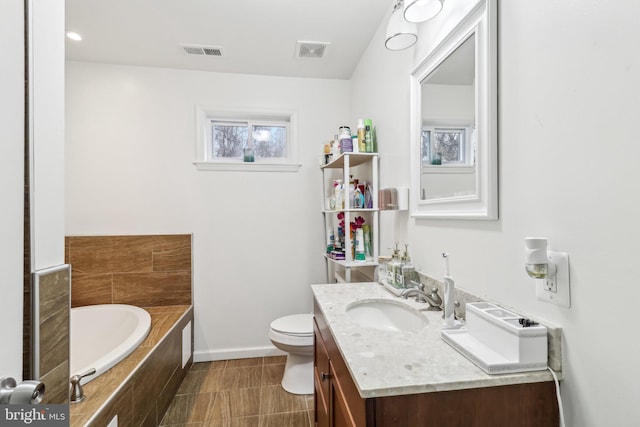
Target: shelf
[336, 211]
[355, 159]
[352, 264]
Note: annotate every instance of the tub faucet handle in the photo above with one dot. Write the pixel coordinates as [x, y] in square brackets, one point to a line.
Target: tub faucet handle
[77, 392]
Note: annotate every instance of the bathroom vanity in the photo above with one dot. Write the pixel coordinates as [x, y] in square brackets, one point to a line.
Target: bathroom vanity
[366, 376]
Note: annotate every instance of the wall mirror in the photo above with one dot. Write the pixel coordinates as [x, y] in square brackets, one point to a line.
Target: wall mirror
[454, 152]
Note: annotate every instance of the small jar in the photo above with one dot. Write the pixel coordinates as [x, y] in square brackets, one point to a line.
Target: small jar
[344, 135]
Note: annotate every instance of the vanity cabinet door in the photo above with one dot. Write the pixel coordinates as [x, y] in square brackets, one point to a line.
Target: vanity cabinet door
[322, 379]
[341, 414]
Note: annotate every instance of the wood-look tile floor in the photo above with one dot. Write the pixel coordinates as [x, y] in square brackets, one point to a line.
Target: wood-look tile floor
[238, 393]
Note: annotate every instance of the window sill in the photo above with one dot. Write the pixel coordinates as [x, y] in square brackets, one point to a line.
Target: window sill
[247, 167]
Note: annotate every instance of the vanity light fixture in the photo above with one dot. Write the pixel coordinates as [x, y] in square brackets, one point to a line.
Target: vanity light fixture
[400, 34]
[550, 269]
[421, 10]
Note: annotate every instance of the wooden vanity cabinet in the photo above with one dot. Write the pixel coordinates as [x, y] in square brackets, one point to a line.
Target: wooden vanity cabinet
[338, 402]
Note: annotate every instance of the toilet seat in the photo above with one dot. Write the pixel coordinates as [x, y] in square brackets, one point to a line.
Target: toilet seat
[296, 325]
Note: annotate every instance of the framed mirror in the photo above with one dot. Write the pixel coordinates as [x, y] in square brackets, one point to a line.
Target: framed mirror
[454, 151]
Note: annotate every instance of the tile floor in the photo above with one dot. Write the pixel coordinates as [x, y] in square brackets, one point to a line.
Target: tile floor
[238, 393]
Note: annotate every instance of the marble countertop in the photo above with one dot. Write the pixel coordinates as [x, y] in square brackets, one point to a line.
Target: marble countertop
[389, 363]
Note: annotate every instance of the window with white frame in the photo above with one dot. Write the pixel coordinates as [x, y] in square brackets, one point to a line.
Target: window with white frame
[447, 146]
[241, 140]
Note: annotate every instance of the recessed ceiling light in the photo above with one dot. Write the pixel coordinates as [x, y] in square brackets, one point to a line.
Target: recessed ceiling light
[73, 36]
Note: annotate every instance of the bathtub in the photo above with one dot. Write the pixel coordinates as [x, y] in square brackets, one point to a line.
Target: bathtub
[103, 335]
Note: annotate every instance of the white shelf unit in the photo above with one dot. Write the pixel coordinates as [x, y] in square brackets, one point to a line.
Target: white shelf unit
[349, 270]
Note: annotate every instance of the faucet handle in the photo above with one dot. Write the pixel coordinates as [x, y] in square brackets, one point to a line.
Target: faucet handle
[77, 392]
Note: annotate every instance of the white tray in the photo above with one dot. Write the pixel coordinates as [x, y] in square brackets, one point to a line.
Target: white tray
[483, 356]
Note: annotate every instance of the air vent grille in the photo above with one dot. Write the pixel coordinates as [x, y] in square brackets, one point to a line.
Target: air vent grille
[194, 49]
[311, 49]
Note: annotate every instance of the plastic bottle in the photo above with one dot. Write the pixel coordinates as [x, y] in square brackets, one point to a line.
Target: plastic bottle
[368, 252]
[393, 269]
[368, 141]
[361, 136]
[360, 251]
[358, 199]
[335, 148]
[338, 191]
[346, 143]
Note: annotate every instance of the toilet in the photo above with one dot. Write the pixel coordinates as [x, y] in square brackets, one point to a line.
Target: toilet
[294, 335]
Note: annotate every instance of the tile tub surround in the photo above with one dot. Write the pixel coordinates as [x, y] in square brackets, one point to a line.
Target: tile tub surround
[51, 328]
[146, 271]
[385, 363]
[140, 388]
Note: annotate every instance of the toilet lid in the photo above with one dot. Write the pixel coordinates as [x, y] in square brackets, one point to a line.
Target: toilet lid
[296, 324]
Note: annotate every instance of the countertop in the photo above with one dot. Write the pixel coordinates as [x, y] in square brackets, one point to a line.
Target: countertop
[389, 363]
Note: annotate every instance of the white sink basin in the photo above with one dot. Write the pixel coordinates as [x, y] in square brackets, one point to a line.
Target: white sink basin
[386, 315]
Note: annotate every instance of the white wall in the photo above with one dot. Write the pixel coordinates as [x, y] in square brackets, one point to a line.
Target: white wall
[11, 184]
[569, 78]
[46, 103]
[257, 237]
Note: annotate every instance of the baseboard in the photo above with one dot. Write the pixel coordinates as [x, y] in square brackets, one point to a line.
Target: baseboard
[235, 353]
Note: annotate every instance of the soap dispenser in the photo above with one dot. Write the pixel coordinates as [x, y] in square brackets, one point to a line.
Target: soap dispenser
[394, 268]
[408, 271]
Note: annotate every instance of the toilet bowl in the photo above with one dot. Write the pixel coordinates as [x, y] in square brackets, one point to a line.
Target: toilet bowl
[294, 335]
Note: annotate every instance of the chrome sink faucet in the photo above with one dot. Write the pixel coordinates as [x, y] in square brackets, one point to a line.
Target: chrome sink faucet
[434, 300]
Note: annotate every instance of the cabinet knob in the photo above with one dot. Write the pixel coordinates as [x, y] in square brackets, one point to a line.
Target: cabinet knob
[325, 376]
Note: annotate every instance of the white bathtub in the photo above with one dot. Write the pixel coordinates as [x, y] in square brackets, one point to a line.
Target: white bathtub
[103, 335]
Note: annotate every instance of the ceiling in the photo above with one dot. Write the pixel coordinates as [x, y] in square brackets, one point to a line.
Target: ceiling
[256, 36]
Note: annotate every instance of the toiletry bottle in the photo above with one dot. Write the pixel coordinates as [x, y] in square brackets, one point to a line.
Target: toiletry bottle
[338, 191]
[358, 199]
[368, 252]
[346, 144]
[360, 256]
[330, 239]
[361, 142]
[335, 148]
[368, 198]
[368, 141]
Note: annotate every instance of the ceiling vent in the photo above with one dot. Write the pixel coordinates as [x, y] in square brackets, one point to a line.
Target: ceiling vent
[314, 50]
[196, 49]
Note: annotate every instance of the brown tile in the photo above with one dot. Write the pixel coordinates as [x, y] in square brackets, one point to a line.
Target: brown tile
[274, 360]
[193, 383]
[53, 292]
[242, 402]
[150, 420]
[156, 371]
[110, 254]
[205, 366]
[241, 377]
[56, 385]
[90, 289]
[66, 249]
[235, 422]
[243, 363]
[288, 419]
[272, 374]
[188, 408]
[169, 391]
[79, 419]
[172, 253]
[275, 400]
[312, 417]
[54, 340]
[152, 289]
[213, 380]
[121, 405]
[188, 425]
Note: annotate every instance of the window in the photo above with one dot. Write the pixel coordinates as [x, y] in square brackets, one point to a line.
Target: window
[247, 141]
[447, 146]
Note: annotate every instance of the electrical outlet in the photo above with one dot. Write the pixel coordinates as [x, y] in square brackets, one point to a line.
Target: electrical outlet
[556, 290]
